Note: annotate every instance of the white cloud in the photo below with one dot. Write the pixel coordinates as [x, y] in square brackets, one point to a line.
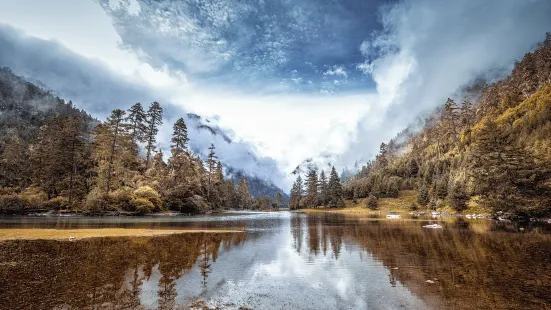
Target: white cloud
[337, 71]
[427, 50]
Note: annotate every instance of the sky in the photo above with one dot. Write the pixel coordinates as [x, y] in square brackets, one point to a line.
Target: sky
[287, 80]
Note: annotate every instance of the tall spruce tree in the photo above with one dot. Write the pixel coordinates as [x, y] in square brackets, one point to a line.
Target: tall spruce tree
[323, 189]
[211, 169]
[154, 120]
[179, 137]
[243, 193]
[137, 120]
[311, 199]
[335, 190]
[297, 193]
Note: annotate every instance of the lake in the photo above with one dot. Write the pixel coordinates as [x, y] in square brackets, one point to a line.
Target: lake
[283, 260]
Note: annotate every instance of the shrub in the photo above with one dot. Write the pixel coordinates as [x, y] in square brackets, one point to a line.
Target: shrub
[413, 207]
[371, 202]
[121, 199]
[97, 201]
[142, 205]
[34, 197]
[56, 203]
[432, 204]
[150, 194]
[12, 204]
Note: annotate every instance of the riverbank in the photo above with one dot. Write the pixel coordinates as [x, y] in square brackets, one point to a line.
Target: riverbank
[76, 234]
[405, 202]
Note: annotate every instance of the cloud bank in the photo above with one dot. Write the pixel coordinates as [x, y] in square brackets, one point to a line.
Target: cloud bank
[429, 49]
[293, 80]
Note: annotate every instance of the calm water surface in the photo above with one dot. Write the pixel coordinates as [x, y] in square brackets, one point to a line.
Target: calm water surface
[282, 261]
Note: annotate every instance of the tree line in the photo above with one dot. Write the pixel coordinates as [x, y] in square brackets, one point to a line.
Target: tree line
[75, 163]
[317, 191]
[489, 148]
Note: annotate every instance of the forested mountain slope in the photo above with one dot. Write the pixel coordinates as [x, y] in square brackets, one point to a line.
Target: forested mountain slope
[488, 150]
[56, 157]
[490, 147]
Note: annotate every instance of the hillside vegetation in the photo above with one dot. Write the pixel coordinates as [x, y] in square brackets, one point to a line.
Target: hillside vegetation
[56, 157]
[487, 149]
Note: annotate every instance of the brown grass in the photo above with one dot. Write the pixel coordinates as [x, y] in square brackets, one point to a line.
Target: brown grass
[75, 234]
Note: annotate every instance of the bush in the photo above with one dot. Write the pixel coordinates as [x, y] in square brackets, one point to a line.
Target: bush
[413, 207]
[97, 201]
[142, 205]
[371, 202]
[34, 197]
[12, 204]
[432, 204]
[121, 199]
[150, 194]
[56, 203]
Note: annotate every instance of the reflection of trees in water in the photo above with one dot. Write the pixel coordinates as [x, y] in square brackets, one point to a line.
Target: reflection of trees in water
[296, 230]
[474, 267]
[100, 271]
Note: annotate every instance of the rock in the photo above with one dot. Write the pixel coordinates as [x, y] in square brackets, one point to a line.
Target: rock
[430, 282]
[433, 226]
[72, 238]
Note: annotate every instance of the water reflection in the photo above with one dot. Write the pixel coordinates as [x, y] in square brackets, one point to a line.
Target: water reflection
[285, 260]
[468, 265]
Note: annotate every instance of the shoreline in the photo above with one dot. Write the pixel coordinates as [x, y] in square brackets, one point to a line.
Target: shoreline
[87, 233]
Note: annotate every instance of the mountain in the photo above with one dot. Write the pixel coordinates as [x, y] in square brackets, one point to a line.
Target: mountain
[488, 149]
[24, 106]
[257, 186]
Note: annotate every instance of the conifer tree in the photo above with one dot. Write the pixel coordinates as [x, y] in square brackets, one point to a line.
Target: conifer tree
[323, 189]
[113, 152]
[335, 190]
[154, 120]
[211, 169]
[423, 195]
[179, 137]
[297, 193]
[508, 177]
[243, 193]
[311, 198]
[137, 120]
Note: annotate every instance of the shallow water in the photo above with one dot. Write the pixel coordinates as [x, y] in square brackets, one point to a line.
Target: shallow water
[284, 261]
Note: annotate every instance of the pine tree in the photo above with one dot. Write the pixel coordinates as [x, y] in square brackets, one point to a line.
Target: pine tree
[297, 193]
[211, 170]
[113, 152]
[423, 195]
[137, 120]
[154, 120]
[13, 166]
[323, 189]
[243, 193]
[278, 201]
[508, 177]
[311, 198]
[335, 190]
[179, 136]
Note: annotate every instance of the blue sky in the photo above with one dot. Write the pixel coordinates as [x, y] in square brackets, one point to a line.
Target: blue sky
[287, 79]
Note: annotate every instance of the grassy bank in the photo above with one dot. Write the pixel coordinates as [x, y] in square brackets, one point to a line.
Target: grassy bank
[75, 234]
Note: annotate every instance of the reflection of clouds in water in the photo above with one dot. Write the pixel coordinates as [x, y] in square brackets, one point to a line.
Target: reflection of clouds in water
[269, 273]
